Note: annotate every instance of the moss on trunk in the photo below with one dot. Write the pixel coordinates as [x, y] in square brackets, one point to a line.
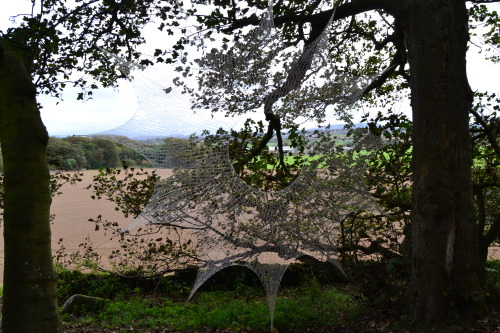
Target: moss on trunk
[29, 301]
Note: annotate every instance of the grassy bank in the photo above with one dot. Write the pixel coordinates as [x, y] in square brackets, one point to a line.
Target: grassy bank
[294, 311]
[234, 301]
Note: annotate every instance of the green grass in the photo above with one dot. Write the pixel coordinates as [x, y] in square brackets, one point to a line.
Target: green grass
[291, 159]
[295, 310]
[232, 300]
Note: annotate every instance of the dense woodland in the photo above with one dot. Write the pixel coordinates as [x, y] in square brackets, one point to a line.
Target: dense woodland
[80, 153]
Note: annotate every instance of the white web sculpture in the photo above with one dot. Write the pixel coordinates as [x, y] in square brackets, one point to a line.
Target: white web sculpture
[233, 223]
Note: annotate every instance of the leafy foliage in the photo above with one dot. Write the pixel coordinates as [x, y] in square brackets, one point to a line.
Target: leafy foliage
[484, 24]
[78, 153]
[129, 193]
[268, 170]
[485, 130]
[158, 302]
[63, 38]
[148, 251]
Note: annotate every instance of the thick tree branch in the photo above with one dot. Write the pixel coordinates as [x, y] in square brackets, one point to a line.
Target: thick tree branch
[321, 19]
[483, 1]
[380, 80]
[258, 149]
[379, 45]
[373, 248]
[399, 60]
[297, 72]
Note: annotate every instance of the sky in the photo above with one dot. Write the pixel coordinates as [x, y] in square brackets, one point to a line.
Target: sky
[110, 107]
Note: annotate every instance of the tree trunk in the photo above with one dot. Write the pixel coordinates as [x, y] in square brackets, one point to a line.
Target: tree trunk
[29, 300]
[444, 276]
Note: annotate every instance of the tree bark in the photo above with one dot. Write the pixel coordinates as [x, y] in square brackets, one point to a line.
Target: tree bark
[29, 299]
[444, 276]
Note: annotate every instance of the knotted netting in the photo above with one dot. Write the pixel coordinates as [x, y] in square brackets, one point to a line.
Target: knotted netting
[231, 222]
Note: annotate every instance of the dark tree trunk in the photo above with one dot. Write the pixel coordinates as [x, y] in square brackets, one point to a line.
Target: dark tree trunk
[29, 300]
[445, 272]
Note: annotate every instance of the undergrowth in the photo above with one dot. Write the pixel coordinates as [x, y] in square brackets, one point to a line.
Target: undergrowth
[217, 309]
[233, 300]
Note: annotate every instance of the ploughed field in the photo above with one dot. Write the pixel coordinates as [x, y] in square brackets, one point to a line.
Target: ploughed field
[73, 209]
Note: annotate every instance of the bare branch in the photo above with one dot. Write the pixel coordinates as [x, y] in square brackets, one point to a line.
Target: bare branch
[491, 138]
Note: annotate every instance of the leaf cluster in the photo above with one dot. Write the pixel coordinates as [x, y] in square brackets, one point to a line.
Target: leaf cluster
[129, 189]
[151, 250]
[268, 171]
[69, 43]
[485, 135]
[483, 23]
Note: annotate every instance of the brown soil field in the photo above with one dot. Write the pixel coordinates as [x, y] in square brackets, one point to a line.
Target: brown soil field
[73, 209]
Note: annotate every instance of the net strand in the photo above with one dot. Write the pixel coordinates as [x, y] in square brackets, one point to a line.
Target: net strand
[229, 221]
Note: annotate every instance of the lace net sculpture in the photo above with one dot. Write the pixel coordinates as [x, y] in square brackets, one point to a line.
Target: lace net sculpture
[232, 223]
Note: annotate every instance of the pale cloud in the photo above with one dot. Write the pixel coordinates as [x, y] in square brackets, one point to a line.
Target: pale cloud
[108, 108]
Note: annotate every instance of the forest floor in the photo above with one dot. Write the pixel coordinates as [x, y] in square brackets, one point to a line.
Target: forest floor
[364, 324]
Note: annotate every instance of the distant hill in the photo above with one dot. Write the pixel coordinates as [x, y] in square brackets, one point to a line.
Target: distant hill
[339, 128]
